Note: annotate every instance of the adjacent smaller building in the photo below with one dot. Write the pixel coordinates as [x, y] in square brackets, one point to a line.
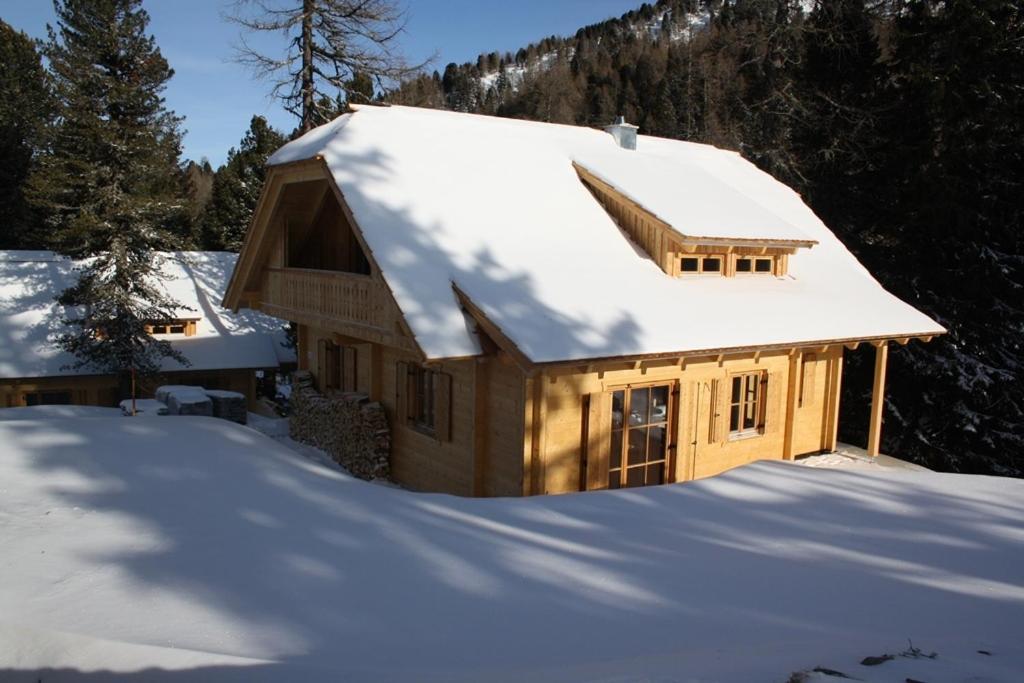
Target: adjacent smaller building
[225, 349]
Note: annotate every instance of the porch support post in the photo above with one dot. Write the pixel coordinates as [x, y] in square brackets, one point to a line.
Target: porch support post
[795, 365]
[877, 398]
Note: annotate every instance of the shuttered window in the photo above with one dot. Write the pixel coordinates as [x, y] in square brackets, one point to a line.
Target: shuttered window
[746, 403]
[424, 398]
[336, 366]
[808, 370]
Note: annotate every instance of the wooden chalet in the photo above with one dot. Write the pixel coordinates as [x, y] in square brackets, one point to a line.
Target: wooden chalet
[545, 308]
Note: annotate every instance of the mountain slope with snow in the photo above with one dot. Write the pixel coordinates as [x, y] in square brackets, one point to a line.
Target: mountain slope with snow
[192, 549]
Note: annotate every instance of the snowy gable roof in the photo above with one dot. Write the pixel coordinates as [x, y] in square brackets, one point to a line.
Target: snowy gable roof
[496, 208]
[30, 319]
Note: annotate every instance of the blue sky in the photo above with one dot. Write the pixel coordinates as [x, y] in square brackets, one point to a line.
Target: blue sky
[218, 97]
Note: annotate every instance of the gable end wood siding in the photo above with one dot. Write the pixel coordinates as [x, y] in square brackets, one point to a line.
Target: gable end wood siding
[354, 304]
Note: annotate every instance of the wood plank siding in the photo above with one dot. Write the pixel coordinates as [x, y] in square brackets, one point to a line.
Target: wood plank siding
[567, 428]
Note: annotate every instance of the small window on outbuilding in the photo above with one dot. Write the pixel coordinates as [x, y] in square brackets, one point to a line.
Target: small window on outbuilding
[48, 398]
[185, 327]
[763, 265]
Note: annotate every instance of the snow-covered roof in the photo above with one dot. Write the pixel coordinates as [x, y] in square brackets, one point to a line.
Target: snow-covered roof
[495, 207]
[30, 319]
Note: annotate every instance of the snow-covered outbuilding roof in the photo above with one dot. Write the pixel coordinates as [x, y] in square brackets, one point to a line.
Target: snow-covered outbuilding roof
[495, 208]
[30, 319]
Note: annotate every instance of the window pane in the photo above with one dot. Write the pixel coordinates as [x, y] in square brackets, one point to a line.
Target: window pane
[688, 265]
[637, 451]
[656, 444]
[712, 264]
[737, 382]
[743, 265]
[734, 418]
[763, 265]
[618, 401]
[659, 404]
[635, 476]
[615, 458]
[751, 392]
[614, 479]
[638, 403]
[750, 415]
[428, 396]
[655, 474]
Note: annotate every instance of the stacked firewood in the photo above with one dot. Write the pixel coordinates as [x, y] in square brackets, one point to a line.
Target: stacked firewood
[348, 426]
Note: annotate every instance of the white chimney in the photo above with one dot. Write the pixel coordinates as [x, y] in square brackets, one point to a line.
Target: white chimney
[624, 133]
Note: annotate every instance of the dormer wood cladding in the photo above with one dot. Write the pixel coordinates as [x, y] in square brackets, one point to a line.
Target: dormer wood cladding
[667, 246]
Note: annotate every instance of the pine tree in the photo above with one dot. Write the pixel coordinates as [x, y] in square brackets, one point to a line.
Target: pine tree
[237, 186]
[952, 237]
[109, 184]
[25, 109]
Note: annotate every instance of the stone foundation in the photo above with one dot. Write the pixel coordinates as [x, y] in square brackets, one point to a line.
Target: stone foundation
[347, 426]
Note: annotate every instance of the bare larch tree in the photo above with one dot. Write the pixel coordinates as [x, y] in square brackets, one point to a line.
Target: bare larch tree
[331, 44]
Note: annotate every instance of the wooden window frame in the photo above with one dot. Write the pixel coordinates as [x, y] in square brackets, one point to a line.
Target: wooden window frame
[760, 401]
[669, 424]
[772, 260]
[337, 366]
[722, 259]
[44, 392]
[422, 413]
[187, 325]
[424, 400]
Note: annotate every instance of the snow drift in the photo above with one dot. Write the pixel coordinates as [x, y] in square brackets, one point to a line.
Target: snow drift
[193, 549]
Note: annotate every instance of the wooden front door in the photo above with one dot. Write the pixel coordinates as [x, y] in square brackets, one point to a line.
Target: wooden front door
[699, 425]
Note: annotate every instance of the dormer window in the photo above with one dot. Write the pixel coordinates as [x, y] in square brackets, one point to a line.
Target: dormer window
[699, 250]
[764, 265]
[729, 264]
[701, 264]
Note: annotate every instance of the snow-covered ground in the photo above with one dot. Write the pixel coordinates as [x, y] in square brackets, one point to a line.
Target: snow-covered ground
[193, 549]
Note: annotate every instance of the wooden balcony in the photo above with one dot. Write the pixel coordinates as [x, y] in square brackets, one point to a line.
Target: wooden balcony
[347, 303]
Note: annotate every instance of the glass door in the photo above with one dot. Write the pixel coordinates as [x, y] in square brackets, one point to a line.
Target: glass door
[640, 436]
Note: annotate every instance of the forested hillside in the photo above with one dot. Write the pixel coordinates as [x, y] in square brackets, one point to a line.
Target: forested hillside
[899, 121]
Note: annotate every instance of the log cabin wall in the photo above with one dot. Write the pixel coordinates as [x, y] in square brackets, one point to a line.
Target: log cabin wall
[560, 436]
[82, 390]
[477, 454]
[816, 390]
[104, 390]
